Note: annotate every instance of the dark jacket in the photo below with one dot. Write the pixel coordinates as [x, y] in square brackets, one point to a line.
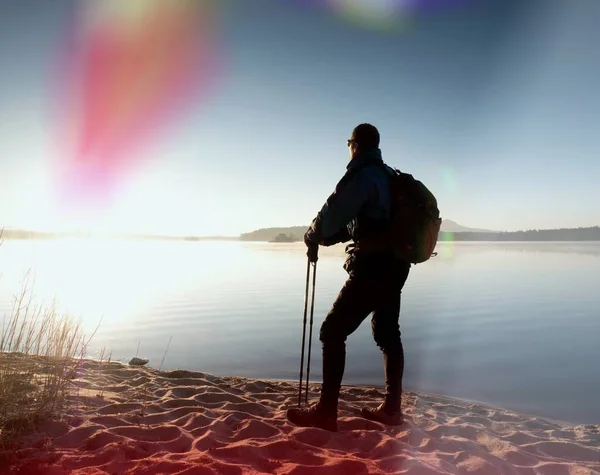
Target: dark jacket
[359, 206]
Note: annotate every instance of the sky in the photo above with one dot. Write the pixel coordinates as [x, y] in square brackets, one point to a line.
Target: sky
[493, 104]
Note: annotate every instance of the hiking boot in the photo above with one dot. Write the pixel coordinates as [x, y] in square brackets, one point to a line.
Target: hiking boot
[313, 416]
[381, 415]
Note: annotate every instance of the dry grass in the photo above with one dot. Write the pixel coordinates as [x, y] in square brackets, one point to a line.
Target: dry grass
[39, 353]
[38, 357]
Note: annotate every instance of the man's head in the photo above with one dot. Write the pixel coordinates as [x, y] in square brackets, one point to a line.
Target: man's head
[364, 137]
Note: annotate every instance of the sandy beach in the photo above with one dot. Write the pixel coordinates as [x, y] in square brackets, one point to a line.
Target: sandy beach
[135, 420]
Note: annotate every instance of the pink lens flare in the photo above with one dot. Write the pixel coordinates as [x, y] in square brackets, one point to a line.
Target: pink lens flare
[128, 70]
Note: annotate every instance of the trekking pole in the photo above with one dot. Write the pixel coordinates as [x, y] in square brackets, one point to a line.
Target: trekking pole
[312, 312]
[304, 331]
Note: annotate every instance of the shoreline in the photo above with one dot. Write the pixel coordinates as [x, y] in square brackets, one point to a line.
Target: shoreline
[123, 419]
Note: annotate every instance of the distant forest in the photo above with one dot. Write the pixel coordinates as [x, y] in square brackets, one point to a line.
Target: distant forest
[564, 234]
[296, 233]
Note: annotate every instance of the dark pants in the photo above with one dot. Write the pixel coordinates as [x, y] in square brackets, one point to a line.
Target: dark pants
[374, 285]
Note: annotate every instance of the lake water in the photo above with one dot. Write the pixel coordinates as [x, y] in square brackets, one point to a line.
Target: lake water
[515, 325]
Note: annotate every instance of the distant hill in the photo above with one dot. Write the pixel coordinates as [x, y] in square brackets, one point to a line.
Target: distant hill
[453, 227]
[269, 234]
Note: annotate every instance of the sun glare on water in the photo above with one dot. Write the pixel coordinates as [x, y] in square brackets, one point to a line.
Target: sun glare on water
[117, 283]
[113, 283]
[84, 278]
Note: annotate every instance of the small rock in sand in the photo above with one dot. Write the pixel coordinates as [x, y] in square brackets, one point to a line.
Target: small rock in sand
[138, 361]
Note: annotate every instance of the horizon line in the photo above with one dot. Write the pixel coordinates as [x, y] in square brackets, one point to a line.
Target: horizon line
[238, 236]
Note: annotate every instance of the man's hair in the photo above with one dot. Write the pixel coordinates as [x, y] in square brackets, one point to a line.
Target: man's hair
[366, 136]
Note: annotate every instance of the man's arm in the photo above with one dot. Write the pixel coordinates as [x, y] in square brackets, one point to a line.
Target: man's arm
[341, 236]
[330, 225]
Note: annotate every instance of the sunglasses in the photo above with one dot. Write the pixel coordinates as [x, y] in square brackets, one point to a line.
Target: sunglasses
[350, 142]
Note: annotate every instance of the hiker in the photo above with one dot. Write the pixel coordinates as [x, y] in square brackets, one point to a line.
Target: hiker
[359, 210]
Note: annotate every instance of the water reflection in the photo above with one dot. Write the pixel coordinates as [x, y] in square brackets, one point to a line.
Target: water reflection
[512, 324]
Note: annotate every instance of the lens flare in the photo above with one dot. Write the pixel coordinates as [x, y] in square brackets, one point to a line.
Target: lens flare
[450, 184]
[373, 14]
[128, 69]
[381, 15]
[449, 180]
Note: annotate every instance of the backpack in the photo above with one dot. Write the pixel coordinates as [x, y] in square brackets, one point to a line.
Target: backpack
[414, 222]
[415, 219]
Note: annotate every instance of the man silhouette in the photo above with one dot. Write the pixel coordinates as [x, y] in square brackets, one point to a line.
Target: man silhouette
[358, 210]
